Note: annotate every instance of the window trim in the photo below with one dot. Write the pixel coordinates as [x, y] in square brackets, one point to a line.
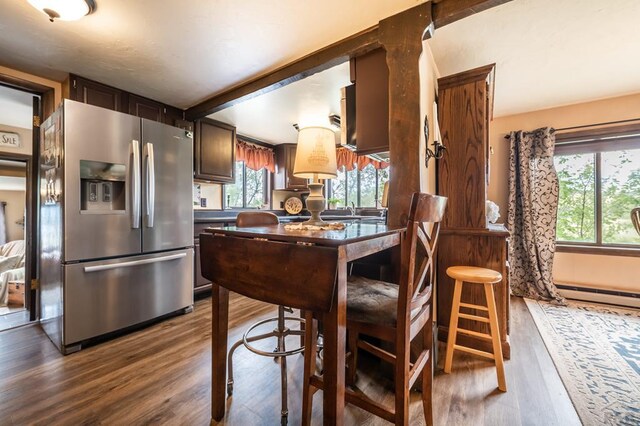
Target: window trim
[598, 142]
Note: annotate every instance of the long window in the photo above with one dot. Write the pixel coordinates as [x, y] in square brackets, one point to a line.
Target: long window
[363, 187]
[250, 189]
[599, 186]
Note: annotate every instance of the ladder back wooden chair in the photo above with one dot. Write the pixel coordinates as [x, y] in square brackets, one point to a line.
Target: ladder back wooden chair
[392, 313]
[635, 218]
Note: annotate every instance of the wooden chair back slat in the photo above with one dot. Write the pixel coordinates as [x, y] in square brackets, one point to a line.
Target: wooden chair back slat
[426, 212]
[635, 218]
[309, 275]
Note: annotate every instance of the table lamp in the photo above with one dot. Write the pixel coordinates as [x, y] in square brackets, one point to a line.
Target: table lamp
[316, 159]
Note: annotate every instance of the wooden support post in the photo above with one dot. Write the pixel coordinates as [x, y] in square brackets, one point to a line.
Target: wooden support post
[402, 36]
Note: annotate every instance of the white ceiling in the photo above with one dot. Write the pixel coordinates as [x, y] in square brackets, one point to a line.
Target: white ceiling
[180, 52]
[308, 102]
[548, 52]
[16, 108]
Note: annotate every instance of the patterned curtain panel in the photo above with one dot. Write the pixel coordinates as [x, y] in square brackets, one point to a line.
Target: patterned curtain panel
[255, 157]
[533, 207]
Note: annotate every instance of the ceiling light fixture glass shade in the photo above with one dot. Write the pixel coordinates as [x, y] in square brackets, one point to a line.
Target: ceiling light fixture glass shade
[65, 10]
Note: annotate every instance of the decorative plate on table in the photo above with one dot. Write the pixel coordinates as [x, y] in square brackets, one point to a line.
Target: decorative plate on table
[293, 205]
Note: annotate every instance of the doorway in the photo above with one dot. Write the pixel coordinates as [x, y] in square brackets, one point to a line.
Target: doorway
[17, 301]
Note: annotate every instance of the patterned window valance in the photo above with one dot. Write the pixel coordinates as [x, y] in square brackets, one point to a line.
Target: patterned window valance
[349, 159]
[255, 157]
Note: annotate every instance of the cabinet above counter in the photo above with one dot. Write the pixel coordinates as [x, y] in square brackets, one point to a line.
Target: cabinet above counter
[91, 92]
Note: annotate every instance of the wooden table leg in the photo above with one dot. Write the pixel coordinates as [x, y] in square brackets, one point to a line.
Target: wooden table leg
[335, 334]
[219, 331]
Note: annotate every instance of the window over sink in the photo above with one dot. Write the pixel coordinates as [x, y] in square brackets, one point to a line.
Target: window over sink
[250, 190]
[363, 187]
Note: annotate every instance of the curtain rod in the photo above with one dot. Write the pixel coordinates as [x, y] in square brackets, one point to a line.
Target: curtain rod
[589, 125]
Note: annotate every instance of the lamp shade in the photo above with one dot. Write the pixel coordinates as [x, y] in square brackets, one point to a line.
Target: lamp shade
[316, 154]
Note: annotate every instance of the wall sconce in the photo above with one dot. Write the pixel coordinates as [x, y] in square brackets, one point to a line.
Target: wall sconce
[438, 148]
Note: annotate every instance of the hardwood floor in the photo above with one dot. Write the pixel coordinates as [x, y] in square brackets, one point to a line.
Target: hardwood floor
[161, 375]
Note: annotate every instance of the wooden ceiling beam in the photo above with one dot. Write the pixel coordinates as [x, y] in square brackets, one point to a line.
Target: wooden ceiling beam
[313, 63]
[445, 12]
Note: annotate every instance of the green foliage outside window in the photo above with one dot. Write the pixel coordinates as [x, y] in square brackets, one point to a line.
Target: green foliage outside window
[360, 187]
[576, 205]
[248, 191]
[619, 193]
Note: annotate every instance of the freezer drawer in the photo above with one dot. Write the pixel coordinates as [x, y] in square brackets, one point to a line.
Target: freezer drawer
[105, 296]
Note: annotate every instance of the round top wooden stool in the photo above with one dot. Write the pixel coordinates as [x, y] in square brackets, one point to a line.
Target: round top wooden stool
[485, 277]
[474, 274]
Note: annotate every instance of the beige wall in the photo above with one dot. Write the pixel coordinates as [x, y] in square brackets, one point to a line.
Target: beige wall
[26, 142]
[611, 272]
[429, 75]
[14, 211]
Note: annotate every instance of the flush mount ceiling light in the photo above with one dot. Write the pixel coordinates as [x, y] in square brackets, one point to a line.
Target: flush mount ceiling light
[66, 10]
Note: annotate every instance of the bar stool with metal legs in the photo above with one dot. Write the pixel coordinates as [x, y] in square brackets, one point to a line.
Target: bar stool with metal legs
[250, 219]
[485, 277]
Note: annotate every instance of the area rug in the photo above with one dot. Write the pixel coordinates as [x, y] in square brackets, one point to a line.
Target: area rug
[596, 350]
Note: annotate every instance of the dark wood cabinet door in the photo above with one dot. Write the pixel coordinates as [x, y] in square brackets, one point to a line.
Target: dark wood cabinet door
[93, 93]
[184, 124]
[146, 108]
[292, 181]
[285, 160]
[372, 102]
[215, 151]
[173, 116]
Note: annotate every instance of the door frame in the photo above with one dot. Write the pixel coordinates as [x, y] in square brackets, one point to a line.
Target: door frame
[44, 109]
[30, 297]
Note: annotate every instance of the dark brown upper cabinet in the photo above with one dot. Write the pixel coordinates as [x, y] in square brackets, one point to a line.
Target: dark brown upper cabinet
[285, 161]
[93, 93]
[370, 75]
[146, 108]
[215, 151]
[90, 92]
[174, 116]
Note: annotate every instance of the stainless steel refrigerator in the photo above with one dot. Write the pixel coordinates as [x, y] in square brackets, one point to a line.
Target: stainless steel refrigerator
[116, 237]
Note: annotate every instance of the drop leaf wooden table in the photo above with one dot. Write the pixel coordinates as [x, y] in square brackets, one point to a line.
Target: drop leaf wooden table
[301, 269]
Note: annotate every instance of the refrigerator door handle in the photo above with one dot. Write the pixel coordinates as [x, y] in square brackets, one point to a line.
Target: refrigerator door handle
[135, 184]
[151, 183]
[99, 268]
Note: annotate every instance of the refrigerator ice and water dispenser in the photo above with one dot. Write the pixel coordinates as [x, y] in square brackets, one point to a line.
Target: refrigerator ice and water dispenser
[103, 188]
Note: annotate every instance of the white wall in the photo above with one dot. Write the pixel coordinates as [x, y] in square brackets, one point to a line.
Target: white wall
[607, 272]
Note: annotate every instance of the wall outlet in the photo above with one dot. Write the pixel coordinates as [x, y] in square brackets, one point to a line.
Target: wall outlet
[203, 202]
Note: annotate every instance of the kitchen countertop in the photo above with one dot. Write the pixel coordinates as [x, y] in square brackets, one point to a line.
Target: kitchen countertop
[225, 219]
